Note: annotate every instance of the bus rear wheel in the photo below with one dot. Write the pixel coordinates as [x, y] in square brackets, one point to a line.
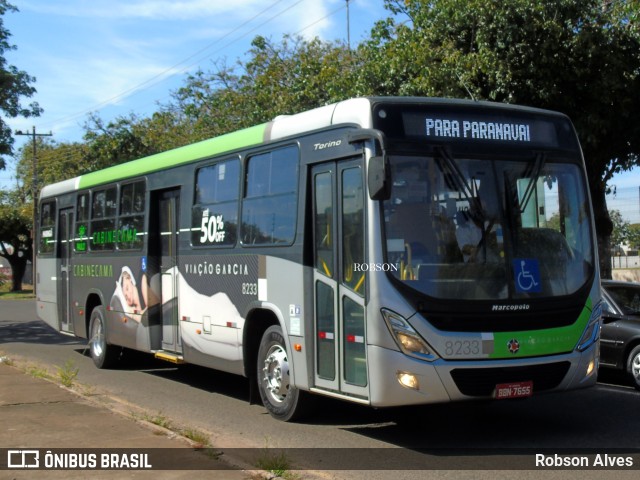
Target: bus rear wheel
[283, 401]
[102, 354]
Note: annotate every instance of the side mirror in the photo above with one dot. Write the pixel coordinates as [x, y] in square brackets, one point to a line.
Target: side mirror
[609, 317]
[379, 173]
[379, 178]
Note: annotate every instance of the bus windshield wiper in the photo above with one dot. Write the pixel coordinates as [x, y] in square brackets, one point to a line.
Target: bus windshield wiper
[458, 178]
[537, 168]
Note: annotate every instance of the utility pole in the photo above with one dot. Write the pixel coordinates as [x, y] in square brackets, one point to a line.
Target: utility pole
[348, 27]
[34, 195]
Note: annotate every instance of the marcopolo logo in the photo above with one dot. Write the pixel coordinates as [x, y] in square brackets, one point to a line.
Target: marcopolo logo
[375, 267]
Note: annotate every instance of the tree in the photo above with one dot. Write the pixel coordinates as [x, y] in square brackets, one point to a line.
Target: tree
[14, 84]
[621, 229]
[581, 57]
[15, 236]
[634, 236]
[56, 162]
[115, 142]
[277, 79]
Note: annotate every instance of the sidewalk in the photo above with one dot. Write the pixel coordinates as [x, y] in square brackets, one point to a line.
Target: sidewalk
[39, 414]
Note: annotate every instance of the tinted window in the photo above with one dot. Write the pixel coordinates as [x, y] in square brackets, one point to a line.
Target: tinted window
[81, 236]
[103, 213]
[214, 217]
[47, 227]
[627, 298]
[270, 207]
[129, 235]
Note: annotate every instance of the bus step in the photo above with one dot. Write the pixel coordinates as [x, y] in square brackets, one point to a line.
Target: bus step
[170, 357]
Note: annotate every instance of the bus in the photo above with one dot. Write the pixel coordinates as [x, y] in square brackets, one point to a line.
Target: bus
[384, 251]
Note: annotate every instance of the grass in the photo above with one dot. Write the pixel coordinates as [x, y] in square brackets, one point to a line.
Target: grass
[6, 360]
[6, 294]
[38, 372]
[158, 419]
[195, 435]
[68, 373]
[275, 462]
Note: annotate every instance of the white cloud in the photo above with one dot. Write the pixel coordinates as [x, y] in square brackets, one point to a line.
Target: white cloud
[158, 9]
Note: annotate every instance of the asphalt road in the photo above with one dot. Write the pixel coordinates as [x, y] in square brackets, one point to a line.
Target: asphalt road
[465, 440]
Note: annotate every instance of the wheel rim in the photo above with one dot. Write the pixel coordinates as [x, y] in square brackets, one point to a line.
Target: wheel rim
[635, 368]
[275, 374]
[97, 338]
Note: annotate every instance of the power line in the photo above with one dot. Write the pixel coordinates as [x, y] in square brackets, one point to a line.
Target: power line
[164, 75]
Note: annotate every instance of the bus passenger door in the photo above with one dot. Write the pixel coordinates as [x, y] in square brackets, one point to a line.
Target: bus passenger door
[339, 283]
[65, 242]
[166, 236]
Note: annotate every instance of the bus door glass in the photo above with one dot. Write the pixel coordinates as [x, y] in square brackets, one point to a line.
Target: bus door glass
[339, 279]
[167, 236]
[65, 242]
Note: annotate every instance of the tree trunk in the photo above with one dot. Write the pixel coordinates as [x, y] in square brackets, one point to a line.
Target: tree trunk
[18, 267]
[604, 227]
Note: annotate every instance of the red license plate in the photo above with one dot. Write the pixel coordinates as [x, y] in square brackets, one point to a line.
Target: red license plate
[513, 390]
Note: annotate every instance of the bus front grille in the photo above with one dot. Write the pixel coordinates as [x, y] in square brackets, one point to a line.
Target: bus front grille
[481, 382]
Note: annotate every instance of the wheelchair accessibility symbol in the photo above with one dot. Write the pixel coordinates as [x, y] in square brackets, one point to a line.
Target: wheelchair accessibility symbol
[527, 275]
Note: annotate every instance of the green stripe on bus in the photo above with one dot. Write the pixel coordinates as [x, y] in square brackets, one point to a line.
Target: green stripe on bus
[171, 158]
[536, 343]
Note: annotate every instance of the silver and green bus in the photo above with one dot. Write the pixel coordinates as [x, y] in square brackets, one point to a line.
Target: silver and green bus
[384, 251]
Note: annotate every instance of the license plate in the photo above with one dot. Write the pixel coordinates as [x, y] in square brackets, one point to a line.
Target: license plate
[513, 390]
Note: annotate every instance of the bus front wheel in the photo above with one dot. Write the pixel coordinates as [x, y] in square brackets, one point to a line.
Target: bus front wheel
[282, 400]
[102, 354]
[633, 366]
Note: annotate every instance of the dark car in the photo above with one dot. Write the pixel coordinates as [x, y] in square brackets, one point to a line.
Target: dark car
[620, 336]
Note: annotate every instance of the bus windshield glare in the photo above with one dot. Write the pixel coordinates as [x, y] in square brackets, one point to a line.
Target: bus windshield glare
[478, 229]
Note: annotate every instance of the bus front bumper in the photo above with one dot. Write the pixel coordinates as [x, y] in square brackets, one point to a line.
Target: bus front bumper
[414, 382]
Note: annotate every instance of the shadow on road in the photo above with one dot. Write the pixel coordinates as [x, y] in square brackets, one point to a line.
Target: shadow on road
[35, 331]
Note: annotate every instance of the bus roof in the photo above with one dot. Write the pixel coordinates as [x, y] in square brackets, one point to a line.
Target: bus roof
[356, 111]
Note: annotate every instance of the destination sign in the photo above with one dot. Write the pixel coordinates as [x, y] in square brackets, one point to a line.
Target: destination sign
[508, 132]
[471, 127]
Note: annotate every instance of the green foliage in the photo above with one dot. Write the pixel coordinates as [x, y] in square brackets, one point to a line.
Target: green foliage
[634, 236]
[621, 228]
[15, 234]
[68, 373]
[113, 143]
[277, 79]
[14, 84]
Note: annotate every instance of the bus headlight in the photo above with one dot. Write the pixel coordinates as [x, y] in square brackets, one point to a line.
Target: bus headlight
[407, 339]
[592, 331]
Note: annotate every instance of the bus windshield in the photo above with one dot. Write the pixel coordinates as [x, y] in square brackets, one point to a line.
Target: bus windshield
[483, 229]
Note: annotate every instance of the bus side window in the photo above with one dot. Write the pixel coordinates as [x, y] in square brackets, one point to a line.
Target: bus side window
[103, 220]
[131, 219]
[214, 216]
[47, 227]
[269, 209]
[82, 219]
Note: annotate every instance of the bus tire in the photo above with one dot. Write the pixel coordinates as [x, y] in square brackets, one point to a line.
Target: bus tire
[283, 401]
[633, 366]
[102, 354]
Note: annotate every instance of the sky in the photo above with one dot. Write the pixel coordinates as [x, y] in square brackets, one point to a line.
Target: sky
[116, 57]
